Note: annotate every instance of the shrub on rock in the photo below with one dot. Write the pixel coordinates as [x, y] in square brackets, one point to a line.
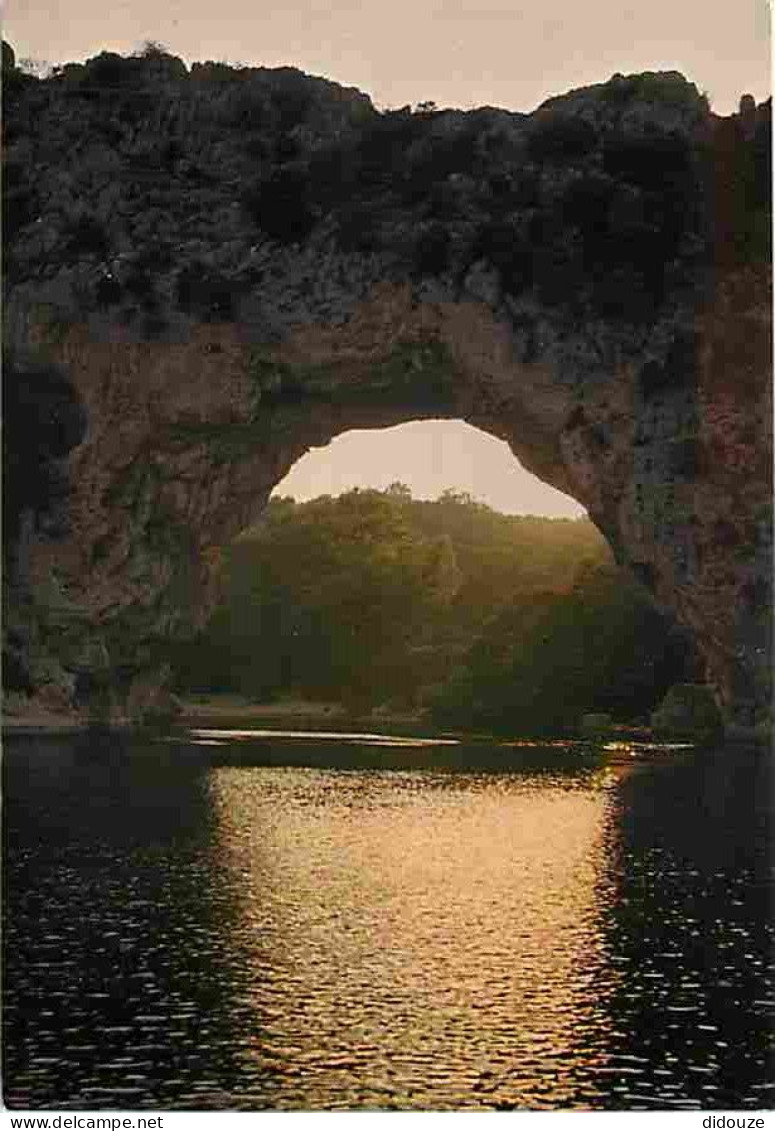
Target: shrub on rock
[595, 724]
[688, 711]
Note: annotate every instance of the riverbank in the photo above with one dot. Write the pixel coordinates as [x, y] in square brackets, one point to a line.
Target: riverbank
[33, 718]
[298, 712]
[37, 724]
[218, 710]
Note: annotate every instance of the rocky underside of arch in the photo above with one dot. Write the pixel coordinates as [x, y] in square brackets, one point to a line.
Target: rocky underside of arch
[209, 272]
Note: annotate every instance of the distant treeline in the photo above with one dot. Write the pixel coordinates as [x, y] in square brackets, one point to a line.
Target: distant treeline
[375, 598]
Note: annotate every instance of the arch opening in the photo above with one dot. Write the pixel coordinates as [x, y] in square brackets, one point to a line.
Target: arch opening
[429, 457]
[386, 579]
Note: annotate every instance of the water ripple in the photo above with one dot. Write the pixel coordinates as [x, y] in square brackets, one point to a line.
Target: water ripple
[208, 935]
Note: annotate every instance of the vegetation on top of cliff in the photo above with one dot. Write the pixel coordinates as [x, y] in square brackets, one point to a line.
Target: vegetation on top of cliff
[591, 207]
[664, 88]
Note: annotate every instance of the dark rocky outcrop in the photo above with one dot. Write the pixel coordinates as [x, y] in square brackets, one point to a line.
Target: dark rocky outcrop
[232, 266]
[43, 421]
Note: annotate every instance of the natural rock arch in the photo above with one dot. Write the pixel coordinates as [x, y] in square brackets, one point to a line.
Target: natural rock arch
[247, 263]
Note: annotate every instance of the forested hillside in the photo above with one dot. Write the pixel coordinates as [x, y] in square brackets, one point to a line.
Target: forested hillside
[375, 598]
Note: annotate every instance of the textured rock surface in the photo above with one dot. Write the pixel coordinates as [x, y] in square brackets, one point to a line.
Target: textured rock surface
[233, 266]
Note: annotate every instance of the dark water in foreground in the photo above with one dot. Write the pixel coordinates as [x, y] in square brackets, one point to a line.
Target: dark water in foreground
[258, 925]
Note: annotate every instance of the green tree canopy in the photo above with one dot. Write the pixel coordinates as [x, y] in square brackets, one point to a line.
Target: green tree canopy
[374, 597]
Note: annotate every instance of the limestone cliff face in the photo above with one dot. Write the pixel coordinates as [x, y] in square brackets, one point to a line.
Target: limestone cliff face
[233, 266]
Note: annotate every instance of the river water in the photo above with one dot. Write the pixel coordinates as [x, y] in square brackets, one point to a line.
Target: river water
[237, 922]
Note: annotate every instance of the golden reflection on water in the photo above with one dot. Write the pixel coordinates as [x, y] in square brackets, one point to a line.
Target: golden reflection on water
[418, 939]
